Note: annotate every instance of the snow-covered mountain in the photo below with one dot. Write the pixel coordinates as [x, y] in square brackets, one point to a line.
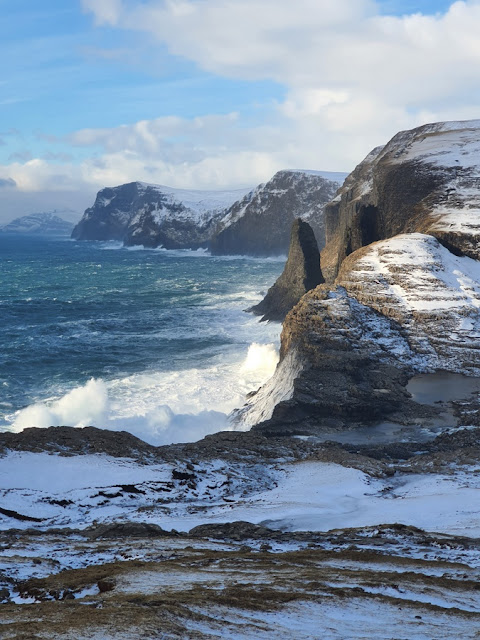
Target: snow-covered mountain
[46, 223]
[153, 215]
[425, 180]
[255, 222]
[260, 224]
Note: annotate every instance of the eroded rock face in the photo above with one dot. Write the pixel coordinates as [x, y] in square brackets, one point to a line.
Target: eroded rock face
[399, 307]
[242, 221]
[260, 224]
[153, 215]
[301, 273]
[425, 180]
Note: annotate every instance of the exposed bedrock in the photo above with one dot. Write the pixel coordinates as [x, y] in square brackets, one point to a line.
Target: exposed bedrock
[154, 215]
[401, 306]
[241, 221]
[260, 224]
[404, 293]
[301, 273]
[425, 180]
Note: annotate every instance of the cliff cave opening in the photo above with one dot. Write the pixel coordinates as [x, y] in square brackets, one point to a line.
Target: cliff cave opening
[369, 225]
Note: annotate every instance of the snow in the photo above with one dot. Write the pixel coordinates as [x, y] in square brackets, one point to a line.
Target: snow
[45, 223]
[431, 276]
[446, 144]
[302, 496]
[197, 203]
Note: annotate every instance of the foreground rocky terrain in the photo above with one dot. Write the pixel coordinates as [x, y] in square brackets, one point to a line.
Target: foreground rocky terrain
[238, 536]
[252, 222]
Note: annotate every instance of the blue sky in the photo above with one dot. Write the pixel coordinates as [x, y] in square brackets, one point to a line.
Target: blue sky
[217, 93]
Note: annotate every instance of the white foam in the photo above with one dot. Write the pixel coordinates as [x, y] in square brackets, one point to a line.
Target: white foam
[80, 407]
[160, 407]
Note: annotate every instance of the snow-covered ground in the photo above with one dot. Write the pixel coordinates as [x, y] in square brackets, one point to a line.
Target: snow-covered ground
[52, 490]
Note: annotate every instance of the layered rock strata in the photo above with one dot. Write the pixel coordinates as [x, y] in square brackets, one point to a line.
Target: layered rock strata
[425, 180]
[153, 215]
[398, 306]
[301, 273]
[260, 223]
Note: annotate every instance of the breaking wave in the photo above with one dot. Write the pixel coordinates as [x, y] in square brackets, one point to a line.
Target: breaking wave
[159, 407]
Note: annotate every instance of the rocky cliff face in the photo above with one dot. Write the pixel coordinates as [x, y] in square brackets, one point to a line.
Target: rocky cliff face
[302, 272]
[425, 180]
[152, 215]
[260, 224]
[228, 222]
[399, 306]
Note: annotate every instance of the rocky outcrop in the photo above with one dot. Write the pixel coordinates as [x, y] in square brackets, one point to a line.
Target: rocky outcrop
[227, 222]
[425, 180]
[399, 307]
[45, 224]
[301, 273]
[153, 216]
[260, 224]
[406, 304]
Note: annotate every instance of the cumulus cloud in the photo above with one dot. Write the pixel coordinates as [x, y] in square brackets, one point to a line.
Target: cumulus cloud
[7, 183]
[105, 11]
[352, 78]
[316, 45]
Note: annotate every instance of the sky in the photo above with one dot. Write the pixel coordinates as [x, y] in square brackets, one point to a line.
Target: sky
[213, 94]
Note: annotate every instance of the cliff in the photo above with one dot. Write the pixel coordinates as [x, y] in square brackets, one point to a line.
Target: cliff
[260, 223]
[425, 180]
[241, 221]
[399, 306]
[301, 273]
[153, 215]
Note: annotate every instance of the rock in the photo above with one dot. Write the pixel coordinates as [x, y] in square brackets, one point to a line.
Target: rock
[106, 584]
[4, 595]
[424, 180]
[125, 530]
[71, 441]
[400, 306]
[153, 215]
[45, 224]
[301, 273]
[260, 224]
[238, 530]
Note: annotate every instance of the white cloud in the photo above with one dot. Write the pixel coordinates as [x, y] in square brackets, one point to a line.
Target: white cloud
[105, 11]
[352, 79]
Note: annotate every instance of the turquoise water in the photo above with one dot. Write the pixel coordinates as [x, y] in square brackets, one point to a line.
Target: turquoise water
[128, 333]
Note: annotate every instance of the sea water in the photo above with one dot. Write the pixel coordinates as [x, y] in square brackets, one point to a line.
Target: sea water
[154, 342]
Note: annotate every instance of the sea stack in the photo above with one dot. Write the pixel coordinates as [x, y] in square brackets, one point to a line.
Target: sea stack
[302, 272]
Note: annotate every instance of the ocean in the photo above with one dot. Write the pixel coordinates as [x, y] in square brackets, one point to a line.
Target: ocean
[153, 342]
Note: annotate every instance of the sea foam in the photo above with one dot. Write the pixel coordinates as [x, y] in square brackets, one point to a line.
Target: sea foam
[160, 407]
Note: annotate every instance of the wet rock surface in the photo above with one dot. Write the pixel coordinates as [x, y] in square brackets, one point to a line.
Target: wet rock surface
[301, 274]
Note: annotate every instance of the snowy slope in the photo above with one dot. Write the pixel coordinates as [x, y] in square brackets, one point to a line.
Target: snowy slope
[47, 223]
[432, 293]
[54, 490]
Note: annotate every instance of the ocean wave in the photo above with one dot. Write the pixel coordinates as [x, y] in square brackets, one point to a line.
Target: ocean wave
[159, 407]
